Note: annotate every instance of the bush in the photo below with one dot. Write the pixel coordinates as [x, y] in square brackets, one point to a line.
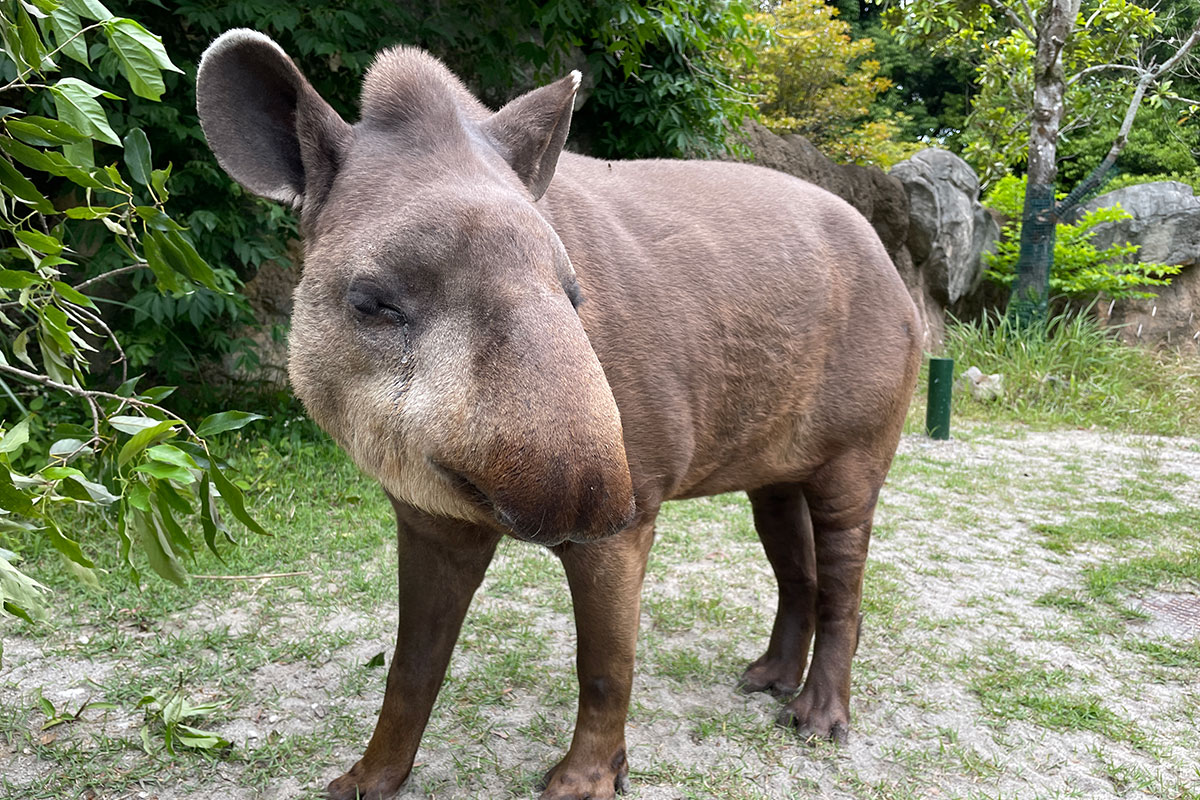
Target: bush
[1080, 268]
[820, 83]
[1071, 371]
[77, 180]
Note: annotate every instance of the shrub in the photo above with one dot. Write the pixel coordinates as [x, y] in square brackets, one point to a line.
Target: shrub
[1071, 371]
[75, 181]
[1080, 268]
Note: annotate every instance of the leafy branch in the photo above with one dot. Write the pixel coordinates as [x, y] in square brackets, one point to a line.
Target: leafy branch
[147, 470]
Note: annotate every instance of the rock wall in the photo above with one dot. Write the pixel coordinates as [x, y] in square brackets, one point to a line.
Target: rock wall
[1166, 226]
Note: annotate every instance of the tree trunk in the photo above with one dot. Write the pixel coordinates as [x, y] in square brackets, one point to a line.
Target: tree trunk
[1031, 290]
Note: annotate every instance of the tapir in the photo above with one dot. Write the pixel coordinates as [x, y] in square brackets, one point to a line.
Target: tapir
[517, 340]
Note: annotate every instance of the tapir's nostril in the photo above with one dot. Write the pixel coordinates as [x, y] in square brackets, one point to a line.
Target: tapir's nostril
[463, 485]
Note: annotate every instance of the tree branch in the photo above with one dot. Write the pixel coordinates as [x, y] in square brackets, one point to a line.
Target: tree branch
[1149, 76]
[79, 287]
[92, 394]
[1014, 18]
[1101, 68]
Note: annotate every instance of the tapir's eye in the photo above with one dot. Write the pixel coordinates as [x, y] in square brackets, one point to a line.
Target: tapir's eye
[369, 301]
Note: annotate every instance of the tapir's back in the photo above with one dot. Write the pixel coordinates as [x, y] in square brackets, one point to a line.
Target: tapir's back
[749, 323]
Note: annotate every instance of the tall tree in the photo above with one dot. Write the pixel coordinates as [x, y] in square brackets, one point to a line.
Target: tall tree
[1061, 64]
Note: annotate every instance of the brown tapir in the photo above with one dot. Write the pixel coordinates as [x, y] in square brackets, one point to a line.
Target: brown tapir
[552, 360]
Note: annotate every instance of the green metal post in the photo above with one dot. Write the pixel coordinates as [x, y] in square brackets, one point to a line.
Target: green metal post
[937, 412]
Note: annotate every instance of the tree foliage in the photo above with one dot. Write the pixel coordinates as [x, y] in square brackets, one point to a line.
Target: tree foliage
[75, 176]
[1080, 268]
[1111, 39]
[819, 82]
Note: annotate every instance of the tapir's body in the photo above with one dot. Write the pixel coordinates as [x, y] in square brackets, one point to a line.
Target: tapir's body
[741, 317]
[553, 360]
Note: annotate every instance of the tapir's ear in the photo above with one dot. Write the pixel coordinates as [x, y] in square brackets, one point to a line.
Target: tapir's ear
[266, 124]
[530, 131]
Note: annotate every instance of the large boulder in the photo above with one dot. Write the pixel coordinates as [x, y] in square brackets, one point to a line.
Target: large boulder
[948, 229]
[1165, 221]
[1165, 225]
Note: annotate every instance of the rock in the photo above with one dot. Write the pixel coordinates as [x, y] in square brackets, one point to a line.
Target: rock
[948, 228]
[1171, 318]
[1165, 225]
[983, 388]
[1165, 221]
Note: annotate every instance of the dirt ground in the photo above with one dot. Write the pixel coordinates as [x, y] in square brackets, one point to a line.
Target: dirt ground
[1032, 630]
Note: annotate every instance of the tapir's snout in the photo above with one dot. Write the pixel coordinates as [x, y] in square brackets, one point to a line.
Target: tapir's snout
[541, 449]
[564, 503]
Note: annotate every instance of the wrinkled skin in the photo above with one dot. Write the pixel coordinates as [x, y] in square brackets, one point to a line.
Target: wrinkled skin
[522, 342]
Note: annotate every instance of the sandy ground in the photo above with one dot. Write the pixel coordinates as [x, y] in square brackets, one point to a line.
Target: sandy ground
[956, 621]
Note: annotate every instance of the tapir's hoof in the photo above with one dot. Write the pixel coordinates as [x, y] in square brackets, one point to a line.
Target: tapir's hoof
[361, 783]
[771, 676]
[813, 722]
[599, 782]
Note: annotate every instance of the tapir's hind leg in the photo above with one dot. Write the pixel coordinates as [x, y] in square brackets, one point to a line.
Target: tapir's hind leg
[841, 499]
[782, 521]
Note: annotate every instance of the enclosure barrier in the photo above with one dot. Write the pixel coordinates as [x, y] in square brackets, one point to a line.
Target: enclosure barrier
[937, 410]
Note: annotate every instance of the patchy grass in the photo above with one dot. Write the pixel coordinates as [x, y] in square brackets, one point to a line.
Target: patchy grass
[1005, 651]
[1074, 374]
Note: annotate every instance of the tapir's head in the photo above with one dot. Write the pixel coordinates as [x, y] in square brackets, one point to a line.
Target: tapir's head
[435, 334]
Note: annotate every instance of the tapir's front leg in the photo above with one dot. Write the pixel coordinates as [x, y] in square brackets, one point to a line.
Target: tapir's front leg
[606, 584]
[441, 566]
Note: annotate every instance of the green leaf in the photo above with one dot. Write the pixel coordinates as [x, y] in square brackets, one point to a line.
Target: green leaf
[179, 539]
[157, 219]
[40, 242]
[17, 279]
[170, 472]
[92, 9]
[194, 737]
[156, 546]
[66, 26]
[22, 188]
[158, 182]
[182, 258]
[140, 55]
[22, 595]
[130, 424]
[11, 498]
[49, 161]
[375, 661]
[75, 102]
[226, 421]
[72, 295]
[164, 274]
[68, 547]
[143, 439]
[43, 131]
[15, 436]
[233, 498]
[169, 454]
[137, 155]
[208, 516]
[89, 212]
[98, 492]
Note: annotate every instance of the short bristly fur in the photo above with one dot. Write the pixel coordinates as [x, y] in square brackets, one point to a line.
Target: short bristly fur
[739, 329]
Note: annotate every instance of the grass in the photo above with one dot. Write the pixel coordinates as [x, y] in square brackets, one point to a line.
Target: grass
[1000, 635]
[1071, 373]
